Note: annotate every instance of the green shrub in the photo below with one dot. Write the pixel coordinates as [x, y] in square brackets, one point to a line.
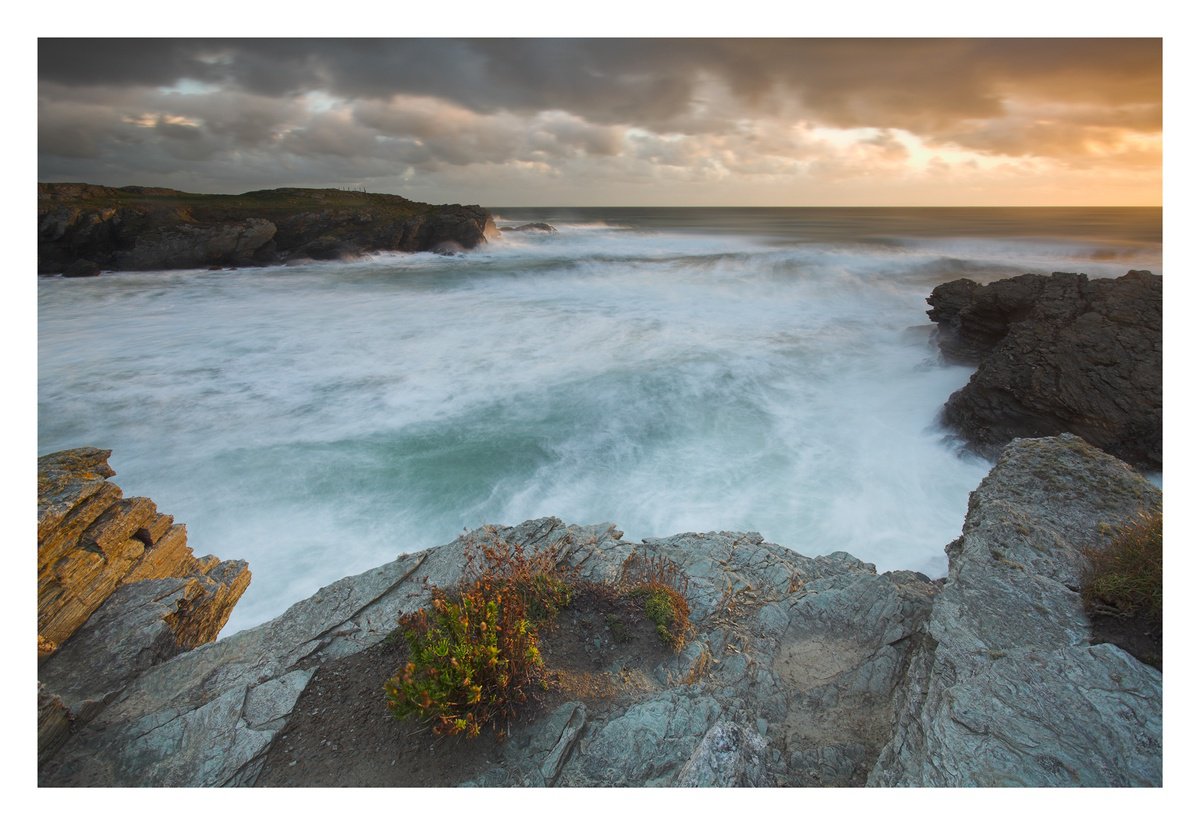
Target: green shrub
[662, 586]
[1125, 578]
[474, 654]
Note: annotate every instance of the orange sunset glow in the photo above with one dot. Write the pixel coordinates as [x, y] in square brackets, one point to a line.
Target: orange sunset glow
[736, 122]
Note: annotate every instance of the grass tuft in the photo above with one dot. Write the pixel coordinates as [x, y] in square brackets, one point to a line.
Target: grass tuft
[1125, 578]
[662, 586]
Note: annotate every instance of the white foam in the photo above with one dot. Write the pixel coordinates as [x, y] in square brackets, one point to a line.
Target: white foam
[318, 420]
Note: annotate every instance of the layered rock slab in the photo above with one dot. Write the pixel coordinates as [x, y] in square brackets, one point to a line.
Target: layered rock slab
[92, 540]
[1007, 689]
[119, 590]
[1058, 353]
[716, 714]
[802, 671]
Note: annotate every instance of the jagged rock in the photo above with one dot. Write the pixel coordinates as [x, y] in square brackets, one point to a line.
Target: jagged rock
[91, 541]
[141, 228]
[1057, 354]
[788, 647]
[188, 246]
[801, 671]
[729, 756]
[646, 745]
[1006, 689]
[125, 636]
[118, 588]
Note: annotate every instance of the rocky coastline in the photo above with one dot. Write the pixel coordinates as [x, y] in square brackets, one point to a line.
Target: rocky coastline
[805, 667]
[803, 671]
[1057, 353]
[84, 229]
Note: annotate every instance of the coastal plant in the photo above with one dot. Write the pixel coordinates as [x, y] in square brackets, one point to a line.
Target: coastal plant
[1125, 575]
[661, 585]
[473, 655]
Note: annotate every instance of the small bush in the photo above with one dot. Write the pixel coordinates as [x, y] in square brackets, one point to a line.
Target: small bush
[474, 655]
[1126, 574]
[662, 585]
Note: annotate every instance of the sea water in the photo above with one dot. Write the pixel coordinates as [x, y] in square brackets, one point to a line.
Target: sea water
[668, 370]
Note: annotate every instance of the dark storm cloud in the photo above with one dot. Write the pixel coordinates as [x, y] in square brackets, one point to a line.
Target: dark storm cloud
[115, 62]
[921, 84]
[328, 110]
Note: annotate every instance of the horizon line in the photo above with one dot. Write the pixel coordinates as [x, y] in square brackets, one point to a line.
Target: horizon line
[826, 206]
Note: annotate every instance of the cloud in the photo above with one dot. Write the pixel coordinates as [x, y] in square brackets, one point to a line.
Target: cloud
[318, 110]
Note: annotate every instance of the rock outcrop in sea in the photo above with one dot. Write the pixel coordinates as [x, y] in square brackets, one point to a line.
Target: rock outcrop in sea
[804, 670]
[1057, 353]
[83, 229]
[119, 591]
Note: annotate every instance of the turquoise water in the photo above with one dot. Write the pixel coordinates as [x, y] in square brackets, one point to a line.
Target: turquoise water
[668, 370]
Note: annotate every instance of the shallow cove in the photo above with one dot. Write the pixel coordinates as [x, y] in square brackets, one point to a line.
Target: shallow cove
[669, 370]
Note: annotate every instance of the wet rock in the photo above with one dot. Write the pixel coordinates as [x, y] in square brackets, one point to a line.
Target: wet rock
[1056, 354]
[139, 228]
[81, 268]
[529, 227]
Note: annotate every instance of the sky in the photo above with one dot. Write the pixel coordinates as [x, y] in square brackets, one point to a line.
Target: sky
[615, 121]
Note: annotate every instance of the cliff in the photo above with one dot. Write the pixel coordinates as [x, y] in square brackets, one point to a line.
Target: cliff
[119, 590]
[802, 670]
[83, 229]
[1057, 353]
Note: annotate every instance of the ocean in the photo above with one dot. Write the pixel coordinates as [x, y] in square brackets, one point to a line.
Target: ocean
[666, 369]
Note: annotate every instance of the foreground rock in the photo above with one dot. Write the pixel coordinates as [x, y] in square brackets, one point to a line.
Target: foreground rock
[119, 590]
[1007, 689]
[789, 680]
[83, 229]
[1057, 353]
[802, 671]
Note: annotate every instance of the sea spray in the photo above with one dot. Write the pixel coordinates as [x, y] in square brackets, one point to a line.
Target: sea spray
[711, 374]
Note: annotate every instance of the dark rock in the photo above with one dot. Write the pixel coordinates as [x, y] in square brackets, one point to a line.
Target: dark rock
[1057, 354]
[142, 228]
[529, 227]
[54, 723]
[81, 269]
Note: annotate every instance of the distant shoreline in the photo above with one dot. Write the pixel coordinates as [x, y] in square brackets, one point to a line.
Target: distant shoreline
[85, 229]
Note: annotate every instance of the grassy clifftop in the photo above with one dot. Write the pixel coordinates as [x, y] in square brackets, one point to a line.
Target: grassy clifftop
[247, 204]
[84, 228]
